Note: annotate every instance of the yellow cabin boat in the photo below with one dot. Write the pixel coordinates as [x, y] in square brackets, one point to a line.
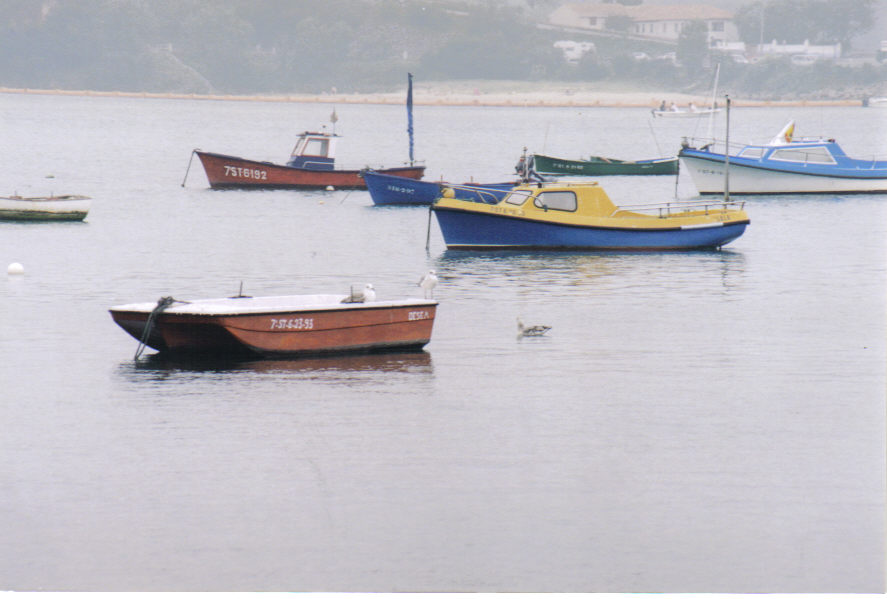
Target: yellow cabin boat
[582, 216]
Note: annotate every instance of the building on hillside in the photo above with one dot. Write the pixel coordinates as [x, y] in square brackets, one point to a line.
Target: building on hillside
[801, 53]
[588, 16]
[664, 23]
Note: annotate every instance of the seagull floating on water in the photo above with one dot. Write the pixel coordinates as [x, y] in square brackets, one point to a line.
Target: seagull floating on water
[536, 330]
[427, 283]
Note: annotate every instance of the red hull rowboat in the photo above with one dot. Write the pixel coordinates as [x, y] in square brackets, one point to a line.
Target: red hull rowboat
[282, 326]
[231, 172]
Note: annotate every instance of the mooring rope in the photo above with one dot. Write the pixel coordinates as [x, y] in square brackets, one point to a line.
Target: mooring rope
[188, 170]
[162, 304]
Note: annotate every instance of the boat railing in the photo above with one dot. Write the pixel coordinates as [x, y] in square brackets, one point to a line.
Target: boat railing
[477, 194]
[716, 146]
[664, 209]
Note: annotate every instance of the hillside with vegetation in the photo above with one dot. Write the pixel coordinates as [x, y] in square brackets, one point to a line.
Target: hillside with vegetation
[314, 46]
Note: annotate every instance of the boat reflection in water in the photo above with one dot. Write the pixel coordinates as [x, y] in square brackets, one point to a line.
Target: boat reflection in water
[166, 366]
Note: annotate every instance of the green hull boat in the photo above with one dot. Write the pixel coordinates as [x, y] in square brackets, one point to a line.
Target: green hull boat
[597, 166]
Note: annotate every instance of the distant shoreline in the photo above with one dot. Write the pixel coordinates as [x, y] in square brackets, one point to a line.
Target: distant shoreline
[458, 97]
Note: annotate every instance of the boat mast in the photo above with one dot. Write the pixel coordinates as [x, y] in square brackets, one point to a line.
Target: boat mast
[714, 94]
[727, 155]
[410, 113]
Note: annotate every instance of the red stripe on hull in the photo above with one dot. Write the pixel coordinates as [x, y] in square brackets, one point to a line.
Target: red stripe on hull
[229, 172]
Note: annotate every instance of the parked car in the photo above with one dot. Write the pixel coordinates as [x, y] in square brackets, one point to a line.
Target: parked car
[804, 59]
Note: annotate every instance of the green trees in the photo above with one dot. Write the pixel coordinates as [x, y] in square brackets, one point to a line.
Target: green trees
[293, 46]
[692, 47]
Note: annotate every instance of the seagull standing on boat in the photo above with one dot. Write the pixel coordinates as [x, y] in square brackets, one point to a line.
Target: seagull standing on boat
[531, 331]
[367, 295]
[427, 284]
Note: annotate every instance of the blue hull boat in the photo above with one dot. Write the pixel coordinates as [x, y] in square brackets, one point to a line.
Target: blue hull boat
[582, 217]
[490, 231]
[784, 165]
[386, 190]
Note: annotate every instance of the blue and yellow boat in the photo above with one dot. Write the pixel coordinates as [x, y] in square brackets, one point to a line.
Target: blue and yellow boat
[580, 216]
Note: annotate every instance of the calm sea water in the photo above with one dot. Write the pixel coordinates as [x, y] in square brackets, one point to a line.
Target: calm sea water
[701, 421]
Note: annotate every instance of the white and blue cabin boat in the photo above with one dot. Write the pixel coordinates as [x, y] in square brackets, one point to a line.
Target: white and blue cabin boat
[783, 165]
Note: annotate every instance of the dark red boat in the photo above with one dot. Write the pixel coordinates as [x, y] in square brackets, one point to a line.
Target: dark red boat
[311, 166]
[278, 327]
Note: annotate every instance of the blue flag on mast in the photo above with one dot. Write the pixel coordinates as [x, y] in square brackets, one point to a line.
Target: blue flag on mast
[410, 113]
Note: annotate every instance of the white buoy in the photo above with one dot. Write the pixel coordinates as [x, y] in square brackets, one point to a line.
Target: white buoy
[15, 269]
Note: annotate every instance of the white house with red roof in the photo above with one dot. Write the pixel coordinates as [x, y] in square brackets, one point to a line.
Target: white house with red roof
[660, 22]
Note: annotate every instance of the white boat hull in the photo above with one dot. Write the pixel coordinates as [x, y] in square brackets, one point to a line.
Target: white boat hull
[679, 114]
[708, 177]
[47, 208]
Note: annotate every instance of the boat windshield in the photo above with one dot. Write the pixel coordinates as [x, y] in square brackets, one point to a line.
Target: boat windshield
[814, 154]
[516, 197]
[316, 147]
[556, 200]
[752, 152]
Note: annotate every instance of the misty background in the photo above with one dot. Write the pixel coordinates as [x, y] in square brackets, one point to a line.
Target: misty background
[352, 46]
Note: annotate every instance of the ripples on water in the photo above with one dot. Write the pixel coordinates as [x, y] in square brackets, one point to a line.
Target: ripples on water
[694, 421]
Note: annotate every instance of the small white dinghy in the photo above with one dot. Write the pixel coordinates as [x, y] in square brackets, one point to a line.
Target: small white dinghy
[68, 207]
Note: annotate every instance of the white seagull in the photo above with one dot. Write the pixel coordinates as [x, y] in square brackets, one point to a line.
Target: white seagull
[367, 295]
[531, 331]
[427, 284]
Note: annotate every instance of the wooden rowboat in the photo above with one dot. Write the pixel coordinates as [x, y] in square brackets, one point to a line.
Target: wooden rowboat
[68, 207]
[597, 166]
[278, 326]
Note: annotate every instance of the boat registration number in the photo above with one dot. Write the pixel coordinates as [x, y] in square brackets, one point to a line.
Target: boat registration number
[399, 189]
[292, 323]
[246, 173]
[509, 211]
[418, 315]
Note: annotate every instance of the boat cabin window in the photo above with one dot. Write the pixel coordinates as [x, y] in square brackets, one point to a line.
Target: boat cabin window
[815, 154]
[752, 152]
[516, 197]
[556, 200]
[316, 147]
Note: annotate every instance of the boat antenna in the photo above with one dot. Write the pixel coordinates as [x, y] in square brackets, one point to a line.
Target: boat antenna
[334, 119]
[727, 154]
[428, 229]
[677, 179]
[714, 95]
[410, 113]
[655, 140]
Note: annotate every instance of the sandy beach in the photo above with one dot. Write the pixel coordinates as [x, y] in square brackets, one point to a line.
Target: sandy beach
[475, 93]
